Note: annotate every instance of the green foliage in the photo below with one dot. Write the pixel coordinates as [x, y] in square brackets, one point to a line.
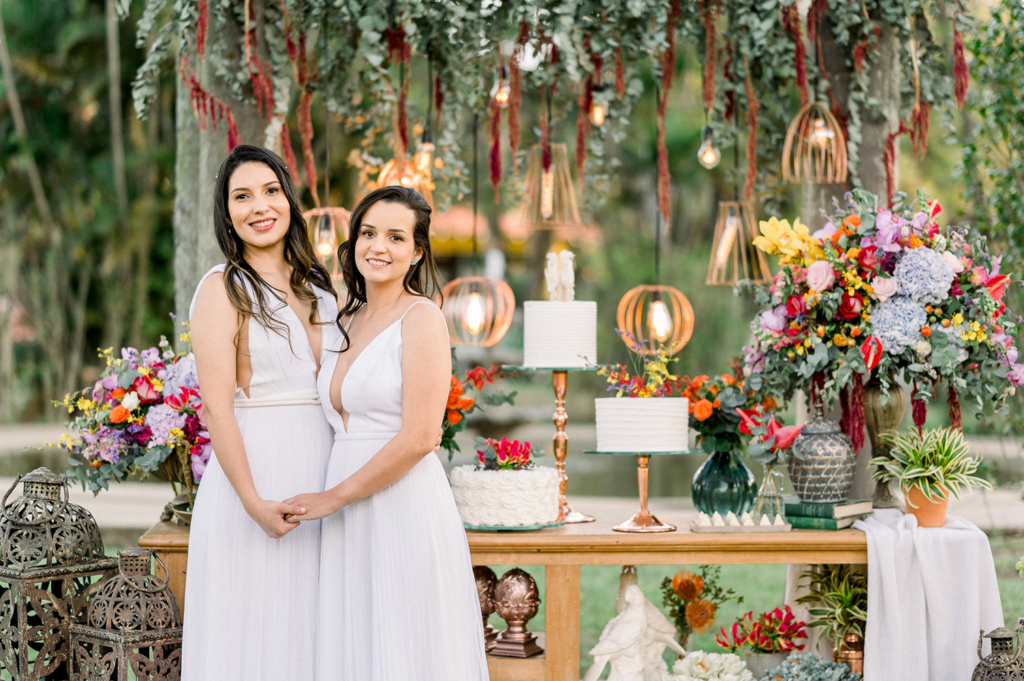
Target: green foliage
[933, 461]
[841, 596]
[811, 667]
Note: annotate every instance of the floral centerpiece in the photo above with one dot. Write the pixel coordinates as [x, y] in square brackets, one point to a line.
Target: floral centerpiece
[460, 405]
[144, 415]
[693, 599]
[768, 639]
[703, 666]
[887, 291]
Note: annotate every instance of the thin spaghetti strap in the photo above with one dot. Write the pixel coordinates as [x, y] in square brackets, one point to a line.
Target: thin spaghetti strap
[199, 286]
[433, 305]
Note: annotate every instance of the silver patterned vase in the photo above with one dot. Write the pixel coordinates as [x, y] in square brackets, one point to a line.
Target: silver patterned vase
[822, 461]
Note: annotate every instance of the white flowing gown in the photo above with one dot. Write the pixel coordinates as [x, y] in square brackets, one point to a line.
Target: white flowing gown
[251, 601]
[397, 595]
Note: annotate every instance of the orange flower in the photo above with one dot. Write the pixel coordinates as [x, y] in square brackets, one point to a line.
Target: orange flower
[945, 323]
[119, 414]
[713, 389]
[696, 383]
[728, 379]
[717, 404]
[457, 386]
[453, 400]
[915, 242]
[855, 331]
[700, 615]
[926, 331]
[466, 403]
[95, 463]
[769, 404]
[852, 221]
[117, 393]
[687, 585]
[703, 410]
[454, 416]
[820, 331]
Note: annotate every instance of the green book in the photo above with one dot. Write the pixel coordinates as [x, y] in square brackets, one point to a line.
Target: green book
[802, 523]
[846, 509]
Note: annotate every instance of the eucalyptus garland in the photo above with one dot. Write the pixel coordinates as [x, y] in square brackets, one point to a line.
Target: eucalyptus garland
[760, 60]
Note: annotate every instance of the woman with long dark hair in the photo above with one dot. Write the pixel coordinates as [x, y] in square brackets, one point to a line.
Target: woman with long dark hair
[257, 332]
[397, 595]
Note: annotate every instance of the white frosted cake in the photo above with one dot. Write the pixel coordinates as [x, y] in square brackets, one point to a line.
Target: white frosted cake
[642, 424]
[506, 498]
[559, 333]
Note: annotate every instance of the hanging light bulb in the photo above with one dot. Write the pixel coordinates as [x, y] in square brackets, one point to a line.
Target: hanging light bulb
[547, 194]
[708, 154]
[660, 316]
[424, 157]
[326, 243]
[661, 320]
[597, 110]
[820, 136]
[732, 226]
[474, 319]
[501, 91]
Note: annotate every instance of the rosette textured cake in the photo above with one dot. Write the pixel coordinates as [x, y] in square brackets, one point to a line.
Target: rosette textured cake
[506, 498]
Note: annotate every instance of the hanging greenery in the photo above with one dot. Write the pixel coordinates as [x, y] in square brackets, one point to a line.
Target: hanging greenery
[560, 52]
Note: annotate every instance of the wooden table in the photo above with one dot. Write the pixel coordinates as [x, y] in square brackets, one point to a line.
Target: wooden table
[563, 550]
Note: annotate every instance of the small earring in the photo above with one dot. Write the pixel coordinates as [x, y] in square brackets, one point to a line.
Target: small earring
[416, 261]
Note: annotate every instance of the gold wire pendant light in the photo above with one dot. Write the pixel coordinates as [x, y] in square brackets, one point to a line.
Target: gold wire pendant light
[733, 255]
[658, 317]
[478, 310]
[815, 148]
[550, 196]
[328, 227]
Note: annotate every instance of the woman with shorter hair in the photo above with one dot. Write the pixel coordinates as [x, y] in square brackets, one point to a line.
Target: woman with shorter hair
[397, 595]
[251, 603]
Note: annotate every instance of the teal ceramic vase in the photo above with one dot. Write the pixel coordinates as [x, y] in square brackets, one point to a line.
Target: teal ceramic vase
[723, 483]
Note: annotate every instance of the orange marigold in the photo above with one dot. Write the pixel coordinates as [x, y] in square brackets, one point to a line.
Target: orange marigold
[687, 585]
[852, 221]
[700, 615]
[702, 410]
[454, 416]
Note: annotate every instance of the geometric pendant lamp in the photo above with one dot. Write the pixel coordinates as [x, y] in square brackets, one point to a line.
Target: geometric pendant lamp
[734, 258]
[478, 310]
[659, 318]
[815, 148]
[550, 196]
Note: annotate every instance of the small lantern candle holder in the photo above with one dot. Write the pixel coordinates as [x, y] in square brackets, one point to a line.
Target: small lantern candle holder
[485, 583]
[1003, 663]
[516, 600]
[134, 624]
[50, 555]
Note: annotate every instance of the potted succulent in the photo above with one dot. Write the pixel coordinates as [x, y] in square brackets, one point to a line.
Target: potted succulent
[929, 467]
[811, 667]
[840, 595]
[770, 638]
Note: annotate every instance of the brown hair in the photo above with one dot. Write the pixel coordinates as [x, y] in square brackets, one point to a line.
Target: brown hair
[298, 251]
[420, 280]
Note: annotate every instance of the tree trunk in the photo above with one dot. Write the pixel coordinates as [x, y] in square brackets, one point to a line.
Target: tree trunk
[9, 257]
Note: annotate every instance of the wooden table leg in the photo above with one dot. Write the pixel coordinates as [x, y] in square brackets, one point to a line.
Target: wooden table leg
[562, 622]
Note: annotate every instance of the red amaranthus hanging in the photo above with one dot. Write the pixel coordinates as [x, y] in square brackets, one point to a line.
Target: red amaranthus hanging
[206, 107]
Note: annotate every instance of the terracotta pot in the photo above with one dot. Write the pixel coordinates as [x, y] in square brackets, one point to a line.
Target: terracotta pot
[930, 513]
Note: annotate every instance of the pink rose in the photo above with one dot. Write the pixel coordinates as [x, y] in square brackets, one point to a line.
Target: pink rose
[954, 262]
[820, 276]
[884, 288]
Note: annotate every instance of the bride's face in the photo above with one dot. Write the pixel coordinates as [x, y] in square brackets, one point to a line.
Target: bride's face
[257, 205]
[384, 249]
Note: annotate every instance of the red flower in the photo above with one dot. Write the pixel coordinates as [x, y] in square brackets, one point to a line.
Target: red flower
[785, 436]
[872, 351]
[851, 306]
[795, 306]
[997, 286]
[479, 376]
[748, 420]
[868, 258]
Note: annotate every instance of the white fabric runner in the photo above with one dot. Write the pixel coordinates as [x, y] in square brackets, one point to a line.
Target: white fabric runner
[930, 591]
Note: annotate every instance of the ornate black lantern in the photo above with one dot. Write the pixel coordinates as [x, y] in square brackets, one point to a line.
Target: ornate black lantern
[134, 624]
[50, 555]
[1003, 663]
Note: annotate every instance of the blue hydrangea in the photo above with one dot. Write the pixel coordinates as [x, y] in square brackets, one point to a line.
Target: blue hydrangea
[924, 275]
[897, 323]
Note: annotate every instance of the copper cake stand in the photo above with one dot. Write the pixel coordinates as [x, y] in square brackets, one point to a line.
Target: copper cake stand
[560, 382]
[643, 521]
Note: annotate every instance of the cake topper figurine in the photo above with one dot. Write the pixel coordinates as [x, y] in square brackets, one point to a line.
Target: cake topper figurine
[559, 276]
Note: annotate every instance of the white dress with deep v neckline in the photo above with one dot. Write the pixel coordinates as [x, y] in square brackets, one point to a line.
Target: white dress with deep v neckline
[251, 605]
[398, 599]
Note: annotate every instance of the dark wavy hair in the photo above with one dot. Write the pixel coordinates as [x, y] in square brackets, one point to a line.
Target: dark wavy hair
[420, 280]
[298, 251]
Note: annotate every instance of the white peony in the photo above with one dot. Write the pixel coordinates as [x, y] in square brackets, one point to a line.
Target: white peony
[130, 401]
[702, 666]
[923, 348]
[953, 262]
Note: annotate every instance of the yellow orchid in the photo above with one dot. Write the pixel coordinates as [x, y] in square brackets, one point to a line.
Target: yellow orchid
[793, 245]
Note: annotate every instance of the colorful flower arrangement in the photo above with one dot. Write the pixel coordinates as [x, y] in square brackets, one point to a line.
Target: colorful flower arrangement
[459, 405]
[717, 407]
[883, 291]
[775, 631]
[504, 455]
[650, 376]
[692, 600]
[144, 414]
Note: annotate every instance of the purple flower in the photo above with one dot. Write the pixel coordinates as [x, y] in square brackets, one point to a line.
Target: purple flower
[1016, 375]
[888, 226]
[752, 356]
[775, 319]
[919, 221]
[181, 374]
[825, 232]
[201, 459]
[161, 419]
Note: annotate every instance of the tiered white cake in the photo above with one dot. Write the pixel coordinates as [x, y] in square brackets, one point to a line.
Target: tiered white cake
[642, 424]
[506, 498]
[560, 332]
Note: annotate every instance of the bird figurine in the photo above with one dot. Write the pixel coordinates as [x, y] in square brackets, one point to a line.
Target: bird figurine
[552, 277]
[621, 642]
[566, 262]
[626, 577]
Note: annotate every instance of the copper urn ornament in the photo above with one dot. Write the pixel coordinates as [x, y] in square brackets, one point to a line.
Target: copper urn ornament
[1003, 663]
[485, 583]
[133, 627]
[516, 601]
[50, 554]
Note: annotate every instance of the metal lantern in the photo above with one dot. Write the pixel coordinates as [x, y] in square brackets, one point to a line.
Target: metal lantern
[134, 626]
[327, 228]
[734, 258]
[815, 148]
[478, 310]
[516, 601]
[822, 462]
[550, 195]
[50, 554]
[402, 171]
[658, 318]
[485, 582]
[1002, 664]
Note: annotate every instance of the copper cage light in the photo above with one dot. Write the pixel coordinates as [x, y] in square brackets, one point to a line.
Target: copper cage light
[734, 258]
[815, 148]
[478, 310]
[550, 195]
[657, 317]
[327, 228]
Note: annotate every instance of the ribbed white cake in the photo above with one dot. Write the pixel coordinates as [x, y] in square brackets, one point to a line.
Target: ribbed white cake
[559, 334]
[506, 498]
[642, 424]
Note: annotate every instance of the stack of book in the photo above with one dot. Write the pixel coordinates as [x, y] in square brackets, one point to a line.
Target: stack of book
[804, 516]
